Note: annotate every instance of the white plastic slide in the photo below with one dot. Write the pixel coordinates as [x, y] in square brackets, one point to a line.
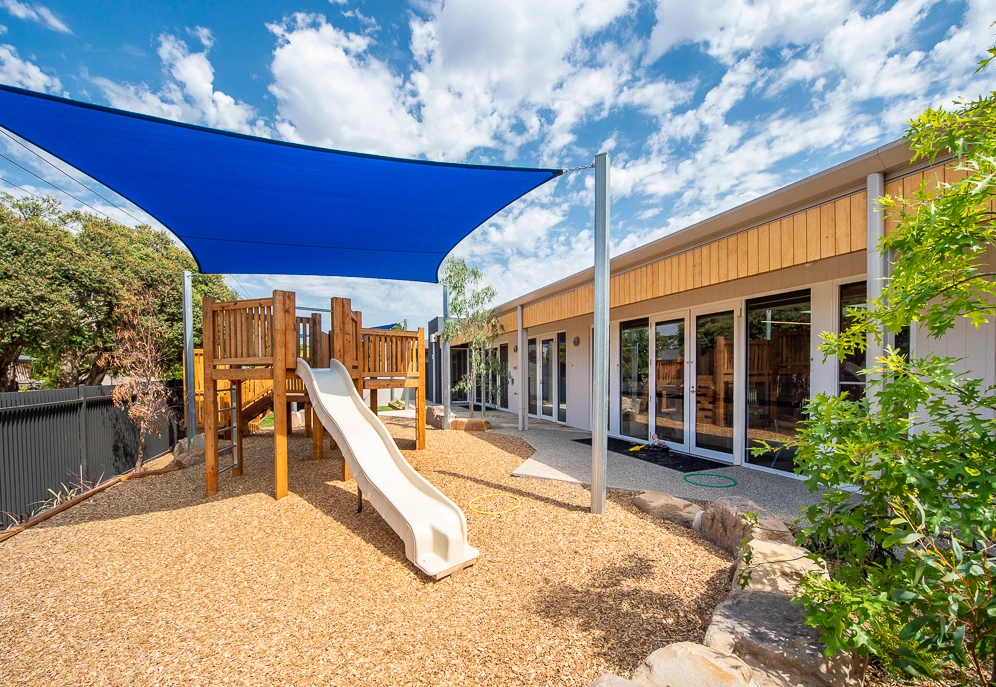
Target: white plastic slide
[433, 528]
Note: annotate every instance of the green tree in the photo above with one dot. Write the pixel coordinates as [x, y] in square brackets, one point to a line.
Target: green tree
[912, 562]
[38, 271]
[473, 321]
[96, 270]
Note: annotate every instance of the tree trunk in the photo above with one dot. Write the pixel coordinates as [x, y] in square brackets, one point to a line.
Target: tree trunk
[8, 358]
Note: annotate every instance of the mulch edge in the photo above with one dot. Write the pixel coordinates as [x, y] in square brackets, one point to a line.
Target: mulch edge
[41, 517]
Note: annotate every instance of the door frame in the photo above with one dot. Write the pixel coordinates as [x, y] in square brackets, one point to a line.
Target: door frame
[554, 376]
[690, 316]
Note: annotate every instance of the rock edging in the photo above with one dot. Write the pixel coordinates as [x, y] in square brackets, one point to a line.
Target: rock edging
[756, 637]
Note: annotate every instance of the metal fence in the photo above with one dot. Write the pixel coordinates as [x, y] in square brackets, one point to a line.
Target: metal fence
[63, 436]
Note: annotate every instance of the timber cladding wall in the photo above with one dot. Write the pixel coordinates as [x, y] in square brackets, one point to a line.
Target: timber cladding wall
[836, 227]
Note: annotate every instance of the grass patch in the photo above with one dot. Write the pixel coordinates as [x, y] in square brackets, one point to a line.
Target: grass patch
[267, 420]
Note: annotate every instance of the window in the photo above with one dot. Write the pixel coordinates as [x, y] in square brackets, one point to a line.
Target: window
[778, 373]
[532, 376]
[670, 382]
[634, 353]
[849, 377]
[562, 377]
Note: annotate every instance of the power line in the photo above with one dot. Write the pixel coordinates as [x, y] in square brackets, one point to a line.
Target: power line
[244, 291]
[11, 183]
[56, 187]
[71, 177]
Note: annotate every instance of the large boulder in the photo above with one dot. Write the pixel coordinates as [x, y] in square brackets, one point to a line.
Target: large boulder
[768, 632]
[668, 507]
[776, 567]
[470, 424]
[189, 444]
[434, 416]
[685, 664]
[722, 525]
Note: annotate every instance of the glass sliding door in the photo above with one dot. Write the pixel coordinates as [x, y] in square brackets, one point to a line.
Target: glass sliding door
[532, 376]
[458, 370]
[562, 377]
[850, 379]
[778, 369]
[634, 369]
[713, 383]
[546, 382]
[669, 380]
[503, 376]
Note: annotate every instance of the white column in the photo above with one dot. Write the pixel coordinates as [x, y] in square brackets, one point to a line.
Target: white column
[600, 375]
[878, 265]
[523, 380]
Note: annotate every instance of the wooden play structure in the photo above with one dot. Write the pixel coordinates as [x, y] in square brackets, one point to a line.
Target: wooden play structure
[250, 352]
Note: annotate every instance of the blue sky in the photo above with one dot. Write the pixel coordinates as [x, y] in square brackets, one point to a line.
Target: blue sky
[703, 105]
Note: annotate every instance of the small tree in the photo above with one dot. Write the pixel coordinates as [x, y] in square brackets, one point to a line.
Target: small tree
[473, 321]
[912, 563]
[142, 393]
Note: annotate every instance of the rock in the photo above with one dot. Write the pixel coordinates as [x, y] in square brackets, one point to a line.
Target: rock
[610, 680]
[767, 631]
[776, 567]
[184, 445]
[195, 457]
[668, 507]
[686, 664]
[721, 523]
[434, 416]
[470, 424]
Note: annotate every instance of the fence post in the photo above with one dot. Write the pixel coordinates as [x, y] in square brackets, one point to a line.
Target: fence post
[81, 429]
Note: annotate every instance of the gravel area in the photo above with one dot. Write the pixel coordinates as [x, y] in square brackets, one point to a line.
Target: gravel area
[149, 583]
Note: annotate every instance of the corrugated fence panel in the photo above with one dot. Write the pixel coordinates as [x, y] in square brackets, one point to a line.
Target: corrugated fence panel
[57, 437]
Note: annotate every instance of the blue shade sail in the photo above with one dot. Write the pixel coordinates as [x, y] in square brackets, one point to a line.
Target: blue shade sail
[243, 204]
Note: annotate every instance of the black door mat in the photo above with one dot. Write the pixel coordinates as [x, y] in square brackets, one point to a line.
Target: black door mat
[682, 462]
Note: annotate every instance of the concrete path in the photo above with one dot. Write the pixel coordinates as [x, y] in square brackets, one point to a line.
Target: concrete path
[559, 457]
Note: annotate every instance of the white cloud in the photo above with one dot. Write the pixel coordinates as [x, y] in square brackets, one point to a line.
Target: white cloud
[36, 13]
[730, 27]
[189, 94]
[204, 35]
[360, 105]
[18, 72]
[485, 76]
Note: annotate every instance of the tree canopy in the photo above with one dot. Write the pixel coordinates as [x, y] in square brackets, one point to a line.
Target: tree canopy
[70, 283]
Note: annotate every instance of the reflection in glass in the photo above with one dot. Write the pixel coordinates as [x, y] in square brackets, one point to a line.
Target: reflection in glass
[562, 377]
[532, 376]
[670, 381]
[634, 352]
[714, 382]
[852, 382]
[503, 376]
[458, 370]
[778, 366]
[547, 382]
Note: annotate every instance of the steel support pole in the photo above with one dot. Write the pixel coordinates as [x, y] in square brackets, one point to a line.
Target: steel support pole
[445, 368]
[600, 373]
[189, 399]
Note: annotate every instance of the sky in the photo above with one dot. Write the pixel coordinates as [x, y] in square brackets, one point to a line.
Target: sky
[702, 105]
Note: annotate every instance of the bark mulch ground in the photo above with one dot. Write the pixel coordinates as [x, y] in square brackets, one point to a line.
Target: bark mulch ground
[149, 583]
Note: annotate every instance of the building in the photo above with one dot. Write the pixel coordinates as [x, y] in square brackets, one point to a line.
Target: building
[714, 329]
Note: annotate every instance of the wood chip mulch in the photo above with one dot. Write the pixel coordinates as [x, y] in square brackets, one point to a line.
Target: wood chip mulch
[150, 583]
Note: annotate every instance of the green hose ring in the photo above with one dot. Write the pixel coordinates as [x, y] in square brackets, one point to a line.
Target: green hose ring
[732, 483]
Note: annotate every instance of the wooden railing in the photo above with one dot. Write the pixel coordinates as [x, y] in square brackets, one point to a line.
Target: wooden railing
[243, 332]
[390, 357]
[252, 391]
